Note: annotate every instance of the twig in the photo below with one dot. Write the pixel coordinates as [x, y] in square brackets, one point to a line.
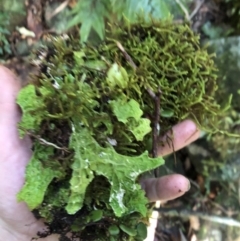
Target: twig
[151, 229]
[171, 145]
[191, 135]
[60, 8]
[194, 12]
[126, 55]
[156, 127]
[47, 143]
[227, 212]
[213, 218]
[183, 8]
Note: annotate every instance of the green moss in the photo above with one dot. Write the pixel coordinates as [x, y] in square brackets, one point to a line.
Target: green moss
[96, 107]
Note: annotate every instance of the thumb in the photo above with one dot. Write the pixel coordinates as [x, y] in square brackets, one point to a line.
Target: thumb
[9, 111]
[9, 114]
[10, 144]
[14, 152]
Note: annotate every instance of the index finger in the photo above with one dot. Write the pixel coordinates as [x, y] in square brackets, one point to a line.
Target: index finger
[183, 134]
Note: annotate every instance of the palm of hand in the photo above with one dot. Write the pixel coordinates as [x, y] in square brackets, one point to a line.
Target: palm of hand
[14, 155]
[16, 221]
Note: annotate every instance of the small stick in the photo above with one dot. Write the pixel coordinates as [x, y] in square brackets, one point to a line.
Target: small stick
[155, 134]
[191, 135]
[60, 8]
[183, 8]
[156, 119]
[195, 11]
[126, 55]
[172, 145]
[47, 143]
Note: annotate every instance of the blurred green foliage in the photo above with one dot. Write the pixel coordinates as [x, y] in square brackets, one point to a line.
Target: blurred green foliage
[4, 33]
[232, 8]
[92, 14]
[11, 15]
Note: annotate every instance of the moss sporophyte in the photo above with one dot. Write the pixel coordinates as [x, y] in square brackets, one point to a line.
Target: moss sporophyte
[95, 113]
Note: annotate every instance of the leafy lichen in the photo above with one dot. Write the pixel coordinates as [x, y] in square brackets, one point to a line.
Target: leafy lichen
[92, 160]
[93, 106]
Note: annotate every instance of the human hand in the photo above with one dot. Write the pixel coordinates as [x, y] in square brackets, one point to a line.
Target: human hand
[17, 223]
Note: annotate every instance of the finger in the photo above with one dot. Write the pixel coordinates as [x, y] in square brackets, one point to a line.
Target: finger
[183, 134]
[165, 188]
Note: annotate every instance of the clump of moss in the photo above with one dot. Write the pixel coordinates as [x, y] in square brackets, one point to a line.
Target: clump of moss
[92, 113]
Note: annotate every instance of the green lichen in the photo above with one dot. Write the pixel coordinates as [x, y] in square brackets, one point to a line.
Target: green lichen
[94, 107]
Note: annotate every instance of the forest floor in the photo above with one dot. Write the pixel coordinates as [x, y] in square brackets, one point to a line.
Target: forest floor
[210, 210]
